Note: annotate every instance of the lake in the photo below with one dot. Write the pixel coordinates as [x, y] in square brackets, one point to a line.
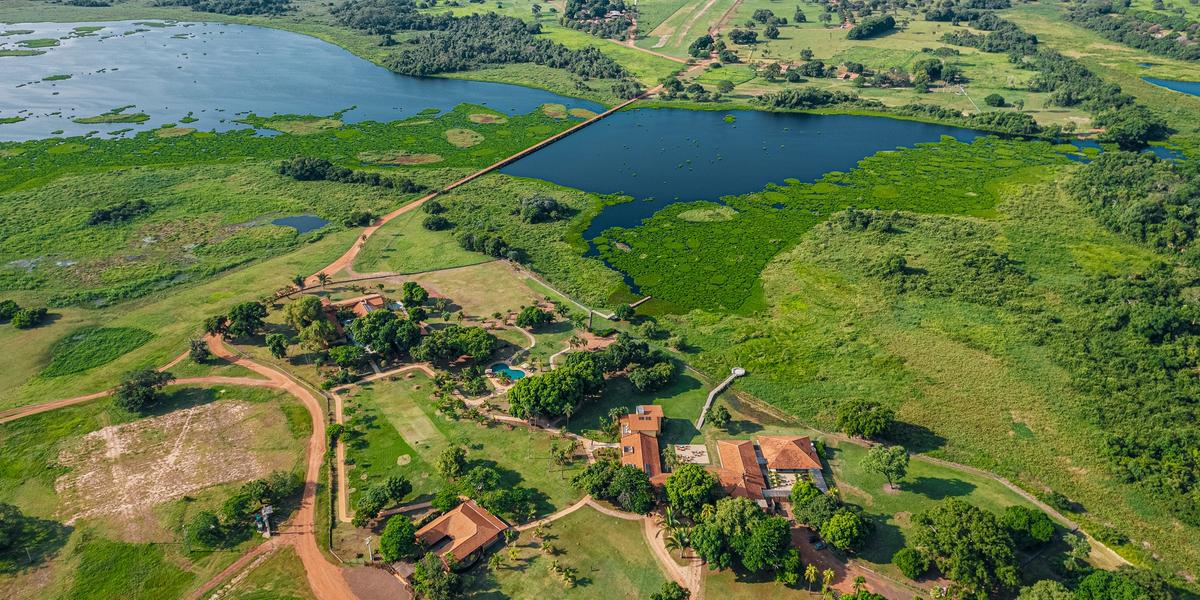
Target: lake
[215, 73]
[660, 156]
[1186, 87]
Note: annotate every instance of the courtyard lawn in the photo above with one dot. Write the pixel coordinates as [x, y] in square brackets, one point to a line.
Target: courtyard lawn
[419, 431]
[610, 555]
[681, 403]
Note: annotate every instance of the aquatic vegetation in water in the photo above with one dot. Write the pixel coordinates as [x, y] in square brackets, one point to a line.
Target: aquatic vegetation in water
[116, 115]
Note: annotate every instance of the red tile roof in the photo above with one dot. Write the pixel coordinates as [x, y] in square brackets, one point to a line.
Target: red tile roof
[645, 419]
[641, 451]
[740, 473]
[789, 453]
[462, 530]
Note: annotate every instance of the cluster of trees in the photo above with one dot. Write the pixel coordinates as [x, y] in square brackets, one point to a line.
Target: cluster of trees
[861, 417]
[306, 316]
[385, 333]
[806, 98]
[378, 497]
[234, 523]
[969, 10]
[242, 320]
[974, 547]
[735, 532]
[21, 318]
[541, 209]
[532, 317]
[1002, 36]
[871, 27]
[743, 37]
[673, 88]
[140, 390]
[303, 168]
[491, 245]
[624, 485]
[231, 7]
[484, 483]
[119, 213]
[454, 341]
[591, 16]
[702, 47]
[841, 526]
[1157, 34]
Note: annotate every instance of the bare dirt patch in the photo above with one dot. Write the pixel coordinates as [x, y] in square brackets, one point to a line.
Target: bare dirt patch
[121, 471]
[303, 126]
[170, 132]
[487, 119]
[555, 111]
[463, 138]
[398, 158]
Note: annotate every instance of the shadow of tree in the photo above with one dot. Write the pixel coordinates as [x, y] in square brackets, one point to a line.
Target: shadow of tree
[936, 488]
[916, 438]
[34, 540]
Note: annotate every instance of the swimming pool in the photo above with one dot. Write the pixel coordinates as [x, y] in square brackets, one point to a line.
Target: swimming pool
[513, 374]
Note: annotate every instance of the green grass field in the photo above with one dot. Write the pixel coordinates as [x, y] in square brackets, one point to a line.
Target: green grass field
[405, 246]
[610, 555]
[400, 420]
[280, 577]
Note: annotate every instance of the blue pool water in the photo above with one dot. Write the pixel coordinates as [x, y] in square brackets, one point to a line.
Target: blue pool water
[513, 374]
[301, 223]
[1186, 87]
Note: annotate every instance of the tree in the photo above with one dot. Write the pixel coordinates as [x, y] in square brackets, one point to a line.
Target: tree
[323, 278]
[799, 16]
[436, 223]
[303, 311]
[624, 312]
[398, 540]
[298, 281]
[198, 350]
[767, 545]
[246, 319]
[28, 318]
[1046, 589]
[889, 461]
[1131, 126]
[791, 569]
[864, 418]
[216, 324]
[434, 580]
[206, 530]
[277, 343]
[631, 490]
[845, 530]
[810, 575]
[452, 462]
[671, 591]
[724, 86]
[347, 357]
[969, 545]
[412, 294]
[771, 32]
[140, 389]
[1028, 527]
[1125, 583]
[719, 416]
[995, 100]
[8, 308]
[532, 317]
[317, 335]
[910, 562]
[689, 488]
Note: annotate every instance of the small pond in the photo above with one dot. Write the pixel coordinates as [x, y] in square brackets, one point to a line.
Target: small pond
[301, 223]
[513, 374]
[1187, 87]
[206, 76]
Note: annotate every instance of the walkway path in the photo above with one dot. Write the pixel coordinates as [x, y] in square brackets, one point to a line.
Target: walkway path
[712, 395]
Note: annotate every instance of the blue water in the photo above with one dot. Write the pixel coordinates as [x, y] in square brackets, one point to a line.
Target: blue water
[661, 156]
[217, 74]
[1186, 87]
[301, 223]
[513, 374]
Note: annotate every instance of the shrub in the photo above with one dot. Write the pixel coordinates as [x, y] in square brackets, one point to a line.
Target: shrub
[28, 318]
[910, 562]
[995, 100]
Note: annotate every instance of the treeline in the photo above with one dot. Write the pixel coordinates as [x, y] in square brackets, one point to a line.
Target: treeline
[1157, 34]
[119, 213]
[871, 27]
[233, 7]
[1070, 83]
[303, 168]
[453, 44]
[590, 16]
[1007, 122]
[970, 10]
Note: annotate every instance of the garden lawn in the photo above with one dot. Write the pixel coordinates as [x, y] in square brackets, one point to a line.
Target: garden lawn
[401, 420]
[681, 403]
[610, 555]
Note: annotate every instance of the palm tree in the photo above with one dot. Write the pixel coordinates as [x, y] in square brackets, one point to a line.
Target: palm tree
[495, 560]
[859, 583]
[826, 579]
[810, 575]
[323, 278]
[672, 542]
[299, 281]
[668, 519]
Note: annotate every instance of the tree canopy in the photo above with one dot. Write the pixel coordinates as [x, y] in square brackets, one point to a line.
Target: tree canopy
[969, 545]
